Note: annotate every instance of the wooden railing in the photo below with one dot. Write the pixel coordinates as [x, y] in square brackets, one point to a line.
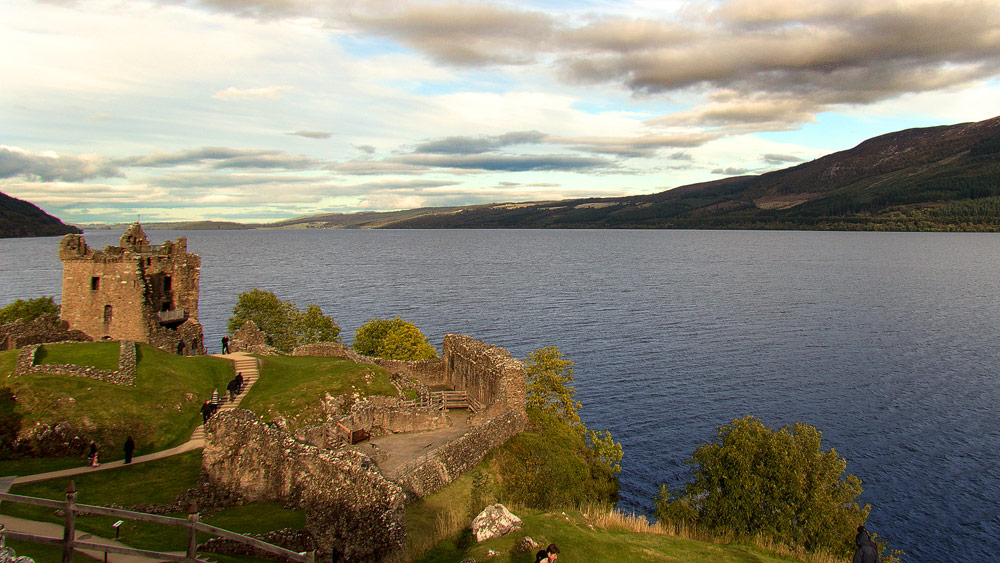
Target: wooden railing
[441, 400]
[70, 543]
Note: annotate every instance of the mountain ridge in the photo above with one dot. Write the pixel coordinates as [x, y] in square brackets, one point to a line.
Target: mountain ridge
[19, 218]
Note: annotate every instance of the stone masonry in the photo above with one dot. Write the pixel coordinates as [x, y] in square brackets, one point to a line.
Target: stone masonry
[124, 375]
[135, 291]
[351, 509]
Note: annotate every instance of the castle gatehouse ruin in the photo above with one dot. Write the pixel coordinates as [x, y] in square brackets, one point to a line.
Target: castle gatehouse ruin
[134, 291]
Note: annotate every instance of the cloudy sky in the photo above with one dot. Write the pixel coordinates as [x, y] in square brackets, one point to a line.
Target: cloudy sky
[256, 110]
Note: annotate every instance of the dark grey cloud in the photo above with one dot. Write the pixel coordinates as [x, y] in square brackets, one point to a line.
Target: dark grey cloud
[781, 159]
[732, 171]
[643, 146]
[60, 167]
[476, 145]
[225, 157]
[312, 134]
[507, 163]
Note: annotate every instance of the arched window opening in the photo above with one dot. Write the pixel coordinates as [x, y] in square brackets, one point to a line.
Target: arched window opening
[107, 314]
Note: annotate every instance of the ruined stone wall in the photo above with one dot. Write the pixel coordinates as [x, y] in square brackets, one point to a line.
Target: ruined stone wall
[351, 509]
[41, 330]
[134, 291]
[124, 375]
[488, 374]
[428, 475]
[251, 340]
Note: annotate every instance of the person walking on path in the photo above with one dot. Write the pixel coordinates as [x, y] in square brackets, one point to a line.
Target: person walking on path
[92, 454]
[232, 386]
[215, 397]
[206, 411]
[129, 449]
[239, 383]
[225, 344]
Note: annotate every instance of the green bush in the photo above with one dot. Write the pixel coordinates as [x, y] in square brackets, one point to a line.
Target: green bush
[28, 310]
[284, 325]
[550, 465]
[778, 484]
[392, 339]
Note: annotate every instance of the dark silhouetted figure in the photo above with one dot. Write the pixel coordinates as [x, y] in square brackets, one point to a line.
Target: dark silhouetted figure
[92, 454]
[225, 344]
[867, 551]
[129, 448]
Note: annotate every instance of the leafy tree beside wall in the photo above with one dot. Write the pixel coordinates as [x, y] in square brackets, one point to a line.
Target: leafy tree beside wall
[392, 339]
[779, 484]
[284, 325]
[28, 310]
[558, 461]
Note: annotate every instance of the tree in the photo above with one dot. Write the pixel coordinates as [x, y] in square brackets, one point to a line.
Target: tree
[780, 484]
[313, 326]
[29, 310]
[392, 339]
[281, 321]
[557, 461]
[550, 384]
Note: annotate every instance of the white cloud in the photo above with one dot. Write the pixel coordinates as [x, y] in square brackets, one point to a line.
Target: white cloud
[262, 93]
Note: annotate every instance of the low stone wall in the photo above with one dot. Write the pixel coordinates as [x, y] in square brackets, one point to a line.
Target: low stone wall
[293, 540]
[124, 375]
[351, 509]
[41, 330]
[428, 475]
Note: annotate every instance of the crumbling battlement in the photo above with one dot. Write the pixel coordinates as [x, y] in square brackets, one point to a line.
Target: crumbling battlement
[135, 291]
[351, 509]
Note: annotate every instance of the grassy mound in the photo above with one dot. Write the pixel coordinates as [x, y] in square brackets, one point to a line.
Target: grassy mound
[294, 387]
[159, 411]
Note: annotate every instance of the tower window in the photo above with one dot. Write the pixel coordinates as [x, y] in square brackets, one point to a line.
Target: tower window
[166, 283]
[107, 314]
[95, 283]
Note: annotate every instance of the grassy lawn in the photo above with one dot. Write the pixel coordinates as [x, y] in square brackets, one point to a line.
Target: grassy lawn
[7, 360]
[160, 411]
[294, 386]
[154, 482]
[101, 355]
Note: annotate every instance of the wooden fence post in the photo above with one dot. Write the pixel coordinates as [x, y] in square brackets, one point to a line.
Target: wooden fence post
[69, 528]
[192, 547]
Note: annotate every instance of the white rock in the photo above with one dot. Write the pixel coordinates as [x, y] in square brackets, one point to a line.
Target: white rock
[493, 522]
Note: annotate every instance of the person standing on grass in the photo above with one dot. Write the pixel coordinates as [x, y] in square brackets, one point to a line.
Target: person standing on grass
[92, 454]
[129, 448]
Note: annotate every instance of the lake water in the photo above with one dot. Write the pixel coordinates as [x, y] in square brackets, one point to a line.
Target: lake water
[885, 342]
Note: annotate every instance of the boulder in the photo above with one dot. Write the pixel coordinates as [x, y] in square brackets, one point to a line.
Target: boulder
[493, 522]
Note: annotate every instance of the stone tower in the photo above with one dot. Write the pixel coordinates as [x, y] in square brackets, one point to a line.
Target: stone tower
[134, 291]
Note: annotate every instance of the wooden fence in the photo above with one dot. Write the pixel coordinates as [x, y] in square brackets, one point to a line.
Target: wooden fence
[441, 400]
[70, 543]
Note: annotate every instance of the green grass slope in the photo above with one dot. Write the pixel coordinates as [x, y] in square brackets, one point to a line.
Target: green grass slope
[160, 411]
[293, 387]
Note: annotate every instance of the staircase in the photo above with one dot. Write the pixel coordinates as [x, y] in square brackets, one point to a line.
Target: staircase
[247, 365]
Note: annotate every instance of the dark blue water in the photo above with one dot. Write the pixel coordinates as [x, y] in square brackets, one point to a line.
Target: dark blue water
[885, 342]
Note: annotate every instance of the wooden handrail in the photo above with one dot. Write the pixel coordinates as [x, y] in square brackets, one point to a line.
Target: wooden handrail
[70, 543]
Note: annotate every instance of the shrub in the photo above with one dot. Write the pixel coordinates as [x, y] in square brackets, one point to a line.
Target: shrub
[779, 484]
[392, 339]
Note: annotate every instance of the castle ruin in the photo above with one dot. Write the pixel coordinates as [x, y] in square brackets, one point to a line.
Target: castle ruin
[135, 291]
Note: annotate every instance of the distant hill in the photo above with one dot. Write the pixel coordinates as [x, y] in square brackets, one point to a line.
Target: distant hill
[175, 226]
[936, 178]
[18, 218]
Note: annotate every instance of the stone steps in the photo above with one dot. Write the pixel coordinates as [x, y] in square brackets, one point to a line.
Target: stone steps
[241, 364]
